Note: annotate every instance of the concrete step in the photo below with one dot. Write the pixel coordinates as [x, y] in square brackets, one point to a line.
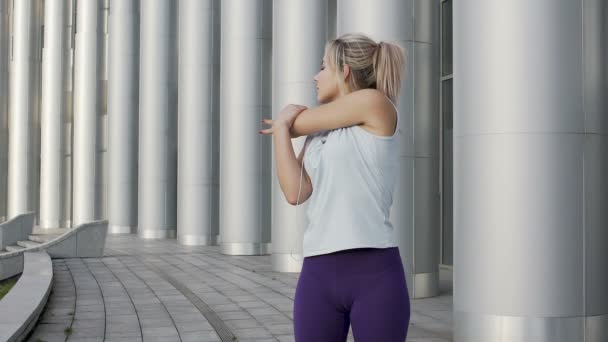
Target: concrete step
[27, 243]
[39, 231]
[42, 238]
[13, 248]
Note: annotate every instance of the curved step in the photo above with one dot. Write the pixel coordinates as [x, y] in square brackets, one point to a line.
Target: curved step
[14, 248]
[42, 238]
[15, 229]
[28, 243]
[22, 305]
[85, 240]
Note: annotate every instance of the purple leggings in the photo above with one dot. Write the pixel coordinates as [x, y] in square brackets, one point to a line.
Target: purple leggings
[365, 286]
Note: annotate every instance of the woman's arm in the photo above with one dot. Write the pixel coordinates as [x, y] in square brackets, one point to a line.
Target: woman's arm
[361, 107]
[289, 168]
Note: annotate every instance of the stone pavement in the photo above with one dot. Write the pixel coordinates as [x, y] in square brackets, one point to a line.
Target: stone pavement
[159, 290]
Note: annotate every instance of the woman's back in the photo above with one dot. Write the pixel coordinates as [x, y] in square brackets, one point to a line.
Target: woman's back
[353, 173]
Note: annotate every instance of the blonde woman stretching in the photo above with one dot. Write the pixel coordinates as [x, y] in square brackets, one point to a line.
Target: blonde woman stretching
[352, 271]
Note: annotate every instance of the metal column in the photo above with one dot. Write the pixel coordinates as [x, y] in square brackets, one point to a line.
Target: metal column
[123, 91]
[245, 161]
[52, 113]
[23, 109]
[415, 211]
[4, 62]
[86, 172]
[198, 110]
[530, 165]
[297, 55]
[157, 213]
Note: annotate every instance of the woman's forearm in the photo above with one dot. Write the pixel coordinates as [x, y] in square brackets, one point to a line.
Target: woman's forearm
[288, 169]
[294, 130]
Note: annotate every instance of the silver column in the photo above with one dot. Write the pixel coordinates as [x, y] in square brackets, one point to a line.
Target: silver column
[297, 55]
[415, 211]
[198, 110]
[157, 215]
[123, 91]
[23, 109]
[4, 61]
[52, 113]
[69, 115]
[245, 161]
[86, 171]
[530, 165]
[102, 112]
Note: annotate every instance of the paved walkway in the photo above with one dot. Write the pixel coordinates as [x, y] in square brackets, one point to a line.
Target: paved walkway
[159, 290]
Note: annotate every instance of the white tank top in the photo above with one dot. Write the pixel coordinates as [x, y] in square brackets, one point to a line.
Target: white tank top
[353, 173]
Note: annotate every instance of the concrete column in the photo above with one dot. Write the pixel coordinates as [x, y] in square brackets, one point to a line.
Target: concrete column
[23, 109]
[297, 56]
[530, 165]
[123, 91]
[52, 113]
[4, 62]
[198, 110]
[157, 216]
[415, 212]
[86, 172]
[245, 161]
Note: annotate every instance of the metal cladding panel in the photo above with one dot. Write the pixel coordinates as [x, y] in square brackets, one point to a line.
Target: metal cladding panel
[157, 194]
[122, 97]
[425, 100]
[22, 109]
[595, 68]
[518, 78]
[246, 52]
[596, 221]
[389, 20]
[197, 106]
[518, 224]
[426, 220]
[426, 21]
[298, 50]
[52, 114]
[85, 146]
[4, 63]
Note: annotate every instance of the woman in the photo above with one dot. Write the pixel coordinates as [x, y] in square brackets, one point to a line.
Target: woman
[352, 270]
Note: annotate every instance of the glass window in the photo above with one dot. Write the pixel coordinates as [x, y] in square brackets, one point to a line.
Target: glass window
[446, 34]
[447, 172]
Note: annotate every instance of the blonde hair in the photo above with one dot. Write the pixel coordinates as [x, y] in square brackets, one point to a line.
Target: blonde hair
[372, 65]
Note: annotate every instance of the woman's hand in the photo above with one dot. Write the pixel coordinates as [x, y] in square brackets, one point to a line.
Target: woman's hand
[285, 118]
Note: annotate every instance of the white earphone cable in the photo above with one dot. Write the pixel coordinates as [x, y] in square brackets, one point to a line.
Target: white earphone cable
[298, 202]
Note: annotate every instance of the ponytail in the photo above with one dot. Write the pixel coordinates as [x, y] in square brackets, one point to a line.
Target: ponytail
[373, 65]
[388, 62]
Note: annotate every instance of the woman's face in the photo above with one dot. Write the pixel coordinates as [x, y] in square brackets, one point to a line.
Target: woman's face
[327, 85]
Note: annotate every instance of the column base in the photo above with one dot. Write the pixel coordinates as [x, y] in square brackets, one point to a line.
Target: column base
[423, 285]
[197, 240]
[475, 327]
[116, 229]
[286, 262]
[156, 234]
[245, 248]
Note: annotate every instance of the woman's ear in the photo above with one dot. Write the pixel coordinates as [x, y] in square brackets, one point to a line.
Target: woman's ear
[346, 72]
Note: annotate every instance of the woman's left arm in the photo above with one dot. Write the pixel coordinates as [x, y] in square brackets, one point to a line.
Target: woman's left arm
[356, 108]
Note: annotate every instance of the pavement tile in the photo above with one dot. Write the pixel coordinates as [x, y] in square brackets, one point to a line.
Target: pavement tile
[120, 296]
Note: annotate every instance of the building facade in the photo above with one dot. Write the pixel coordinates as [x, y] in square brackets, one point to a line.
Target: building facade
[146, 113]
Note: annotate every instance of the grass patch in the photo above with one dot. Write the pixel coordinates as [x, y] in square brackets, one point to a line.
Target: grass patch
[68, 331]
[6, 285]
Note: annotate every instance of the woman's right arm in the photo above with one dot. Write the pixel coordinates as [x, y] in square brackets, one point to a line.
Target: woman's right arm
[289, 168]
